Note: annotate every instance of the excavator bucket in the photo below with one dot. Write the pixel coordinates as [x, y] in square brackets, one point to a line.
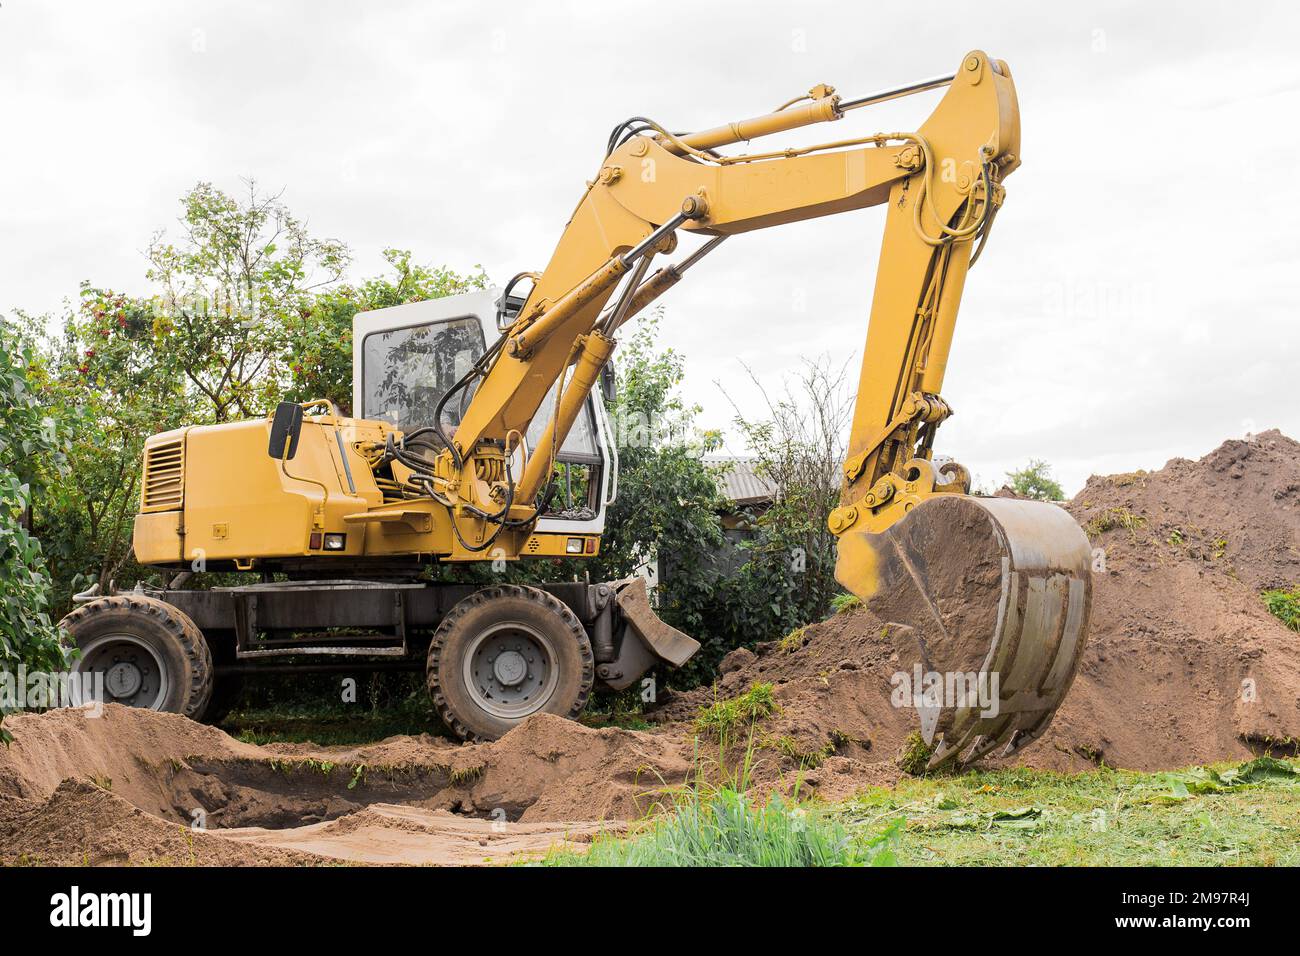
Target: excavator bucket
[989, 601]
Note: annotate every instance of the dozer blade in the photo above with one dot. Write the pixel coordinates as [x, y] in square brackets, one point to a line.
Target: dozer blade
[663, 640]
[995, 594]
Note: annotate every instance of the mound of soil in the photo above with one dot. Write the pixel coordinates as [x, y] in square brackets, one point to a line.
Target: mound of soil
[82, 824]
[124, 787]
[1184, 663]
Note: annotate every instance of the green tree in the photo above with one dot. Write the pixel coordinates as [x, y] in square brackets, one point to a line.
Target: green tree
[788, 575]
[668, 503]
[232, 287]
[1035, 481]
[112, 364]
[27, 433]
[318, 339]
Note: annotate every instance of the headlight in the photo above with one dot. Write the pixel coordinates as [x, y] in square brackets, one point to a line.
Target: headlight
[573, 546]
[336, 542]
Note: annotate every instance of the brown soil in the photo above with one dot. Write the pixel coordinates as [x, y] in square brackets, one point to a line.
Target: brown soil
[127, 787]
[1184, 665]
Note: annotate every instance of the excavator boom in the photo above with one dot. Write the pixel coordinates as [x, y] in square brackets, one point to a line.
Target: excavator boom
[901, 519]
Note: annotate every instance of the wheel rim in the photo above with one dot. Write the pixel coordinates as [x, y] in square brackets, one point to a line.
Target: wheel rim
[510, 670]
[133, 673]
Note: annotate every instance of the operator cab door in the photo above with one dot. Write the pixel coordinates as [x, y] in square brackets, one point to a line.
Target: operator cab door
[405, 358]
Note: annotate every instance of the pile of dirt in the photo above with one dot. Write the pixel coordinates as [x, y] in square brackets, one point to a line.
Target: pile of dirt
[1184, 664]
[128, 786]
[82, 824]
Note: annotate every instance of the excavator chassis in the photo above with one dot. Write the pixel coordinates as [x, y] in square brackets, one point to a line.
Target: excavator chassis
[354, 626]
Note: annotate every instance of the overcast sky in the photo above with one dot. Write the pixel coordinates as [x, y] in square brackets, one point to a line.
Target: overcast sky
[1138, 299]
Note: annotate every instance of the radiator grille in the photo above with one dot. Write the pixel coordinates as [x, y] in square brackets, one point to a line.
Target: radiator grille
[164, 470]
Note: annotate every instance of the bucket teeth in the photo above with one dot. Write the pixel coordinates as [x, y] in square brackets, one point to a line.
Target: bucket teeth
[942, 754]
[929, 722]
[1018, 741]
[982, 746]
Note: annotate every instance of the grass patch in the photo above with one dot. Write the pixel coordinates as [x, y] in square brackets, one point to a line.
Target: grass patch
[845, 602]
[916, 754]
[622, 710]
[721, 717]
[1225, 814]
[1111, 518]
[1285, 606]
[331, 724]
[807, 759]
[466, 774]
[1128, 478]
[792, 641]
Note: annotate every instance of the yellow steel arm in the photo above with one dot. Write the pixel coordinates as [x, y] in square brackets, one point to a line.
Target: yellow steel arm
[942, 185]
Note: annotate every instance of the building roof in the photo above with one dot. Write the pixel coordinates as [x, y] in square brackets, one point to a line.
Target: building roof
[738, 479]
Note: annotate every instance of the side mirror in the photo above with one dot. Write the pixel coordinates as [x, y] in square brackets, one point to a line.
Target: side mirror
[286, 427]
[608, 391]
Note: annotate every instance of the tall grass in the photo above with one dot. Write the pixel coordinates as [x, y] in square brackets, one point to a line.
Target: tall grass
[726, 828]
[707, 824]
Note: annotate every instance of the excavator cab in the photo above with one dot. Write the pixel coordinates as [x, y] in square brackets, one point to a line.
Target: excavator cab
[407, 357]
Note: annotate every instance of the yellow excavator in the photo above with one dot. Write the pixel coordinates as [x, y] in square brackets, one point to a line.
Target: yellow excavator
[479, 433]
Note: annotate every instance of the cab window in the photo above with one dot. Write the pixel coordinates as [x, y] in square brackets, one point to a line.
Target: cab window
[405, 372]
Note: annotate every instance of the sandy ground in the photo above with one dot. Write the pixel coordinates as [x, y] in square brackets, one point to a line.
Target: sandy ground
[1183, 665]
[393, 833]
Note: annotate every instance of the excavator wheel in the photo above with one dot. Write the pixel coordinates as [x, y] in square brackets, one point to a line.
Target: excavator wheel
[505, 653]
[994, 595]
[148, 653]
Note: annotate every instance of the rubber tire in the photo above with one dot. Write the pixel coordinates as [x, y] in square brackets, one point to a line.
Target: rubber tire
[167, 630]
[495, 605]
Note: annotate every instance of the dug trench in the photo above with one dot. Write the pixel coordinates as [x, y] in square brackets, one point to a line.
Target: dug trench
[1184, 665]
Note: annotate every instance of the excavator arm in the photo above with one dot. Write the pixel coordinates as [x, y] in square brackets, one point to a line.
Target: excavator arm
[942, 185]
[993, 590]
